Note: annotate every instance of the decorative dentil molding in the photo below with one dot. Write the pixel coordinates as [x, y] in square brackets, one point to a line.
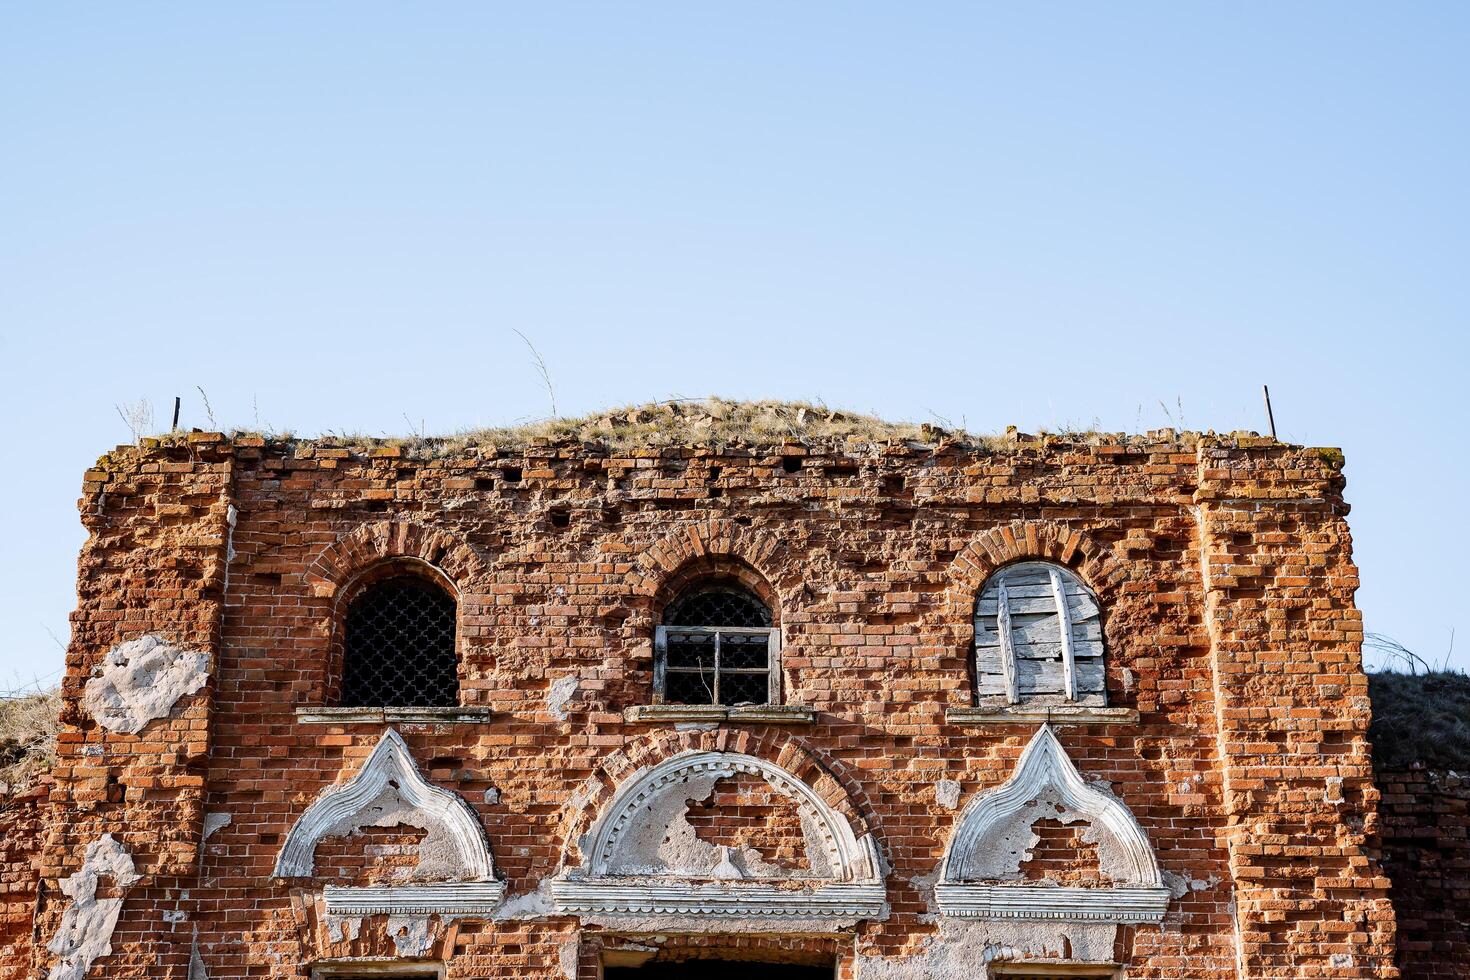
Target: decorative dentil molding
[850, 890]
[986, 833]
[389, 790]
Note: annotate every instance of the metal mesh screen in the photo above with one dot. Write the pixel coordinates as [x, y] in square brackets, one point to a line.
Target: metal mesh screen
[399, 641]
[711, 655]
[719, 605]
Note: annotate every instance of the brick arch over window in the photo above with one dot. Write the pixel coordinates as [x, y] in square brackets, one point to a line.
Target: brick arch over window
[827, 777]
[1093, 561]
[367, 545]
[718, 549]
[376, 551]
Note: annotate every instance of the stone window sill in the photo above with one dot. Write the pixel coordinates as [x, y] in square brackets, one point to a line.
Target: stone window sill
[434, 716]
[761, 714]
[1051, 714]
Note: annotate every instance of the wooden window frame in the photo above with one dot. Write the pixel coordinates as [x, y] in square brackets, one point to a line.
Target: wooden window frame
[661, 667]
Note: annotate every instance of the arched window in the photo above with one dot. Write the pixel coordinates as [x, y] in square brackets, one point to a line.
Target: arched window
[1038, 637]
[717, 645]
[398, 646]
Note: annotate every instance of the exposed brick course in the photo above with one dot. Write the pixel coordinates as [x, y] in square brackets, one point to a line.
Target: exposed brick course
[1222, 565]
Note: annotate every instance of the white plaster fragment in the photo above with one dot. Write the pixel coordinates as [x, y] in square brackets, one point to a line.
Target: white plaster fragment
[1334, 790]
[410, 934]
[660, 840]
[175, 916]
[85, 934]
[344, 927]
[528, 905]
[196, 962]
[963, 948]
[1342, 961]
[142, 680]
[492, 796]
[214, 823]
[566, 956]
[947, 793]
[563, 689]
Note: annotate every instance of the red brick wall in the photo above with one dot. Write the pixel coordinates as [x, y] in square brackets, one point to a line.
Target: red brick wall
[1223, 569]
[22, 832]
[1426, 851]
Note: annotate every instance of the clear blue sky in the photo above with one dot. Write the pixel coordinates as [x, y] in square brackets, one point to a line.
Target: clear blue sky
[1031, 214]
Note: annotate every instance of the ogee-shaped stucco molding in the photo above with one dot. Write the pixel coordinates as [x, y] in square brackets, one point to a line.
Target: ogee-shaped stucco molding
[389, 791]
[994, 833]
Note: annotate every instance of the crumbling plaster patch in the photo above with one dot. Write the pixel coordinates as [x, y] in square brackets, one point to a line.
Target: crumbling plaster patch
[86, 928]
[662, 841]
[389, 791]
[196, 961]
[563, 689]
[214, 823]
[410, 934]
[142, 680]
[963, 949]
[342, 928]
[645, 830]
[947, 793]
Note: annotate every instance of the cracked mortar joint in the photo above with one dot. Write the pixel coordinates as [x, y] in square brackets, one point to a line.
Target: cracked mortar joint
[141, 680]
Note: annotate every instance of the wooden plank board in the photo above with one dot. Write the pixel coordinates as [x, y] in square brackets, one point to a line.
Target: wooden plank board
[1032, 629]
[1081, 607]
[1064, 627]
[1007, 654]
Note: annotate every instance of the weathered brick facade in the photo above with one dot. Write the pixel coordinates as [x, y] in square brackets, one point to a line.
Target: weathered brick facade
[1234, 737]
[1426, 853]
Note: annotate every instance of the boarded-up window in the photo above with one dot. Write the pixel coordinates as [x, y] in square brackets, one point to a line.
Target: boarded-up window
[1038, 637]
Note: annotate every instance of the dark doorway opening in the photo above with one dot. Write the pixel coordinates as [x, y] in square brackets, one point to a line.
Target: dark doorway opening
[718, 970]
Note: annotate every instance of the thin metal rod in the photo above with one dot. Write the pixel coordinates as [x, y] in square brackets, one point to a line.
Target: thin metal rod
[175, 427]
[1266, 391]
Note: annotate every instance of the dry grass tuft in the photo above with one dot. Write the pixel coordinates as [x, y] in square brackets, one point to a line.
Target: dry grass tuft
[1420, 720]
[28, 727]
[679, 422]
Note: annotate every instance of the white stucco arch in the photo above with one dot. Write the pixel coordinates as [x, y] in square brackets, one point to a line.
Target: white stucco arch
[627, 870]
[993, 832]
[455, 865]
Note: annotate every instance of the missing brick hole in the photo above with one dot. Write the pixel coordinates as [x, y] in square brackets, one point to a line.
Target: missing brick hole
[714, 472]
[375, 506]
[891, 484]
[840, 469]
[611, 515]
[484, 483]
[791, 463]
[510, 474]
[267, 578]
[561, 517]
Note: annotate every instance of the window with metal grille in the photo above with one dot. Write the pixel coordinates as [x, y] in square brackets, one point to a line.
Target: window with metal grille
[1038, 637]
[717, 646]
[398, 643]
